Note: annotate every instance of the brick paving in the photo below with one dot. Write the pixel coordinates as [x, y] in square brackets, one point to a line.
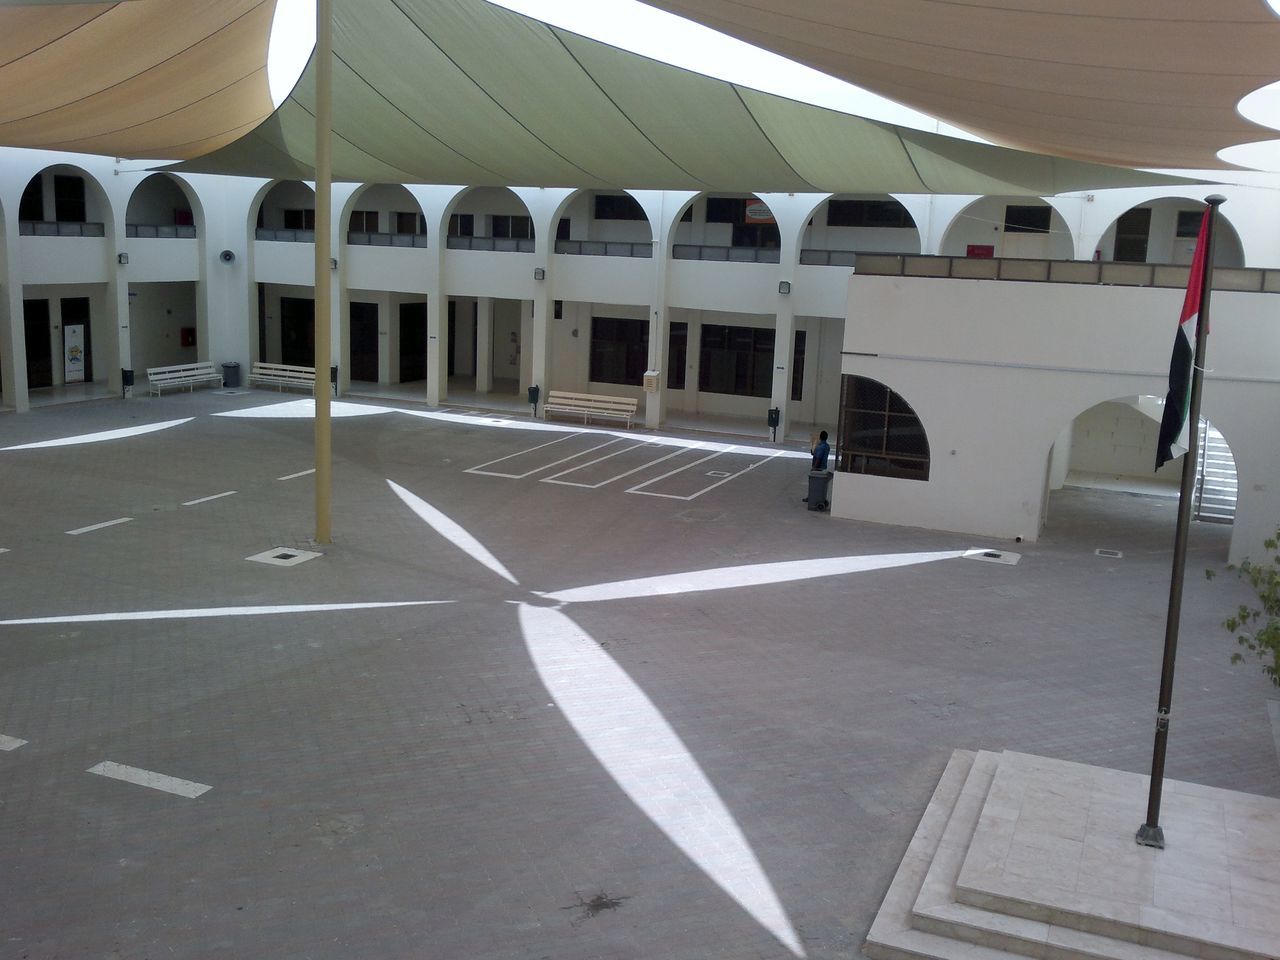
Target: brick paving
[395, 783]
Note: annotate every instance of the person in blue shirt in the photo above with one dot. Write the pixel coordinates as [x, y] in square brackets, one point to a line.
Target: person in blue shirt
[821, 452]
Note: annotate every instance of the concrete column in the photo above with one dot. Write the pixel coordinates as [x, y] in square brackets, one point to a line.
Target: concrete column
[783, 343]
[540, 346]
[389, 339]
[484, 344]
[437, 345]
[120, 351]
[13, 333]
[340, 323]
[693, 361]
[659, 350]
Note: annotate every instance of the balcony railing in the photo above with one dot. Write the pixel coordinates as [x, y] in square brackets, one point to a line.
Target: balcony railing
[694, 251]
[51, 228]
[160, 231]
[604, 248]
[499, 244]
[357, 239]
[1111, 272]
[285, 236]
[828, 258]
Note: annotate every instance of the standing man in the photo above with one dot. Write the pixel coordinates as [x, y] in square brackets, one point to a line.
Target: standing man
[821, 452]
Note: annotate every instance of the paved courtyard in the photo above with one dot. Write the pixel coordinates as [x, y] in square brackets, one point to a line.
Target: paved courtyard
[488, 723]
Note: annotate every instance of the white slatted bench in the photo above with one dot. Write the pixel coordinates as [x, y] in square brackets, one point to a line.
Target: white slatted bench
[281, 375]
[181, 375]
[588, 405]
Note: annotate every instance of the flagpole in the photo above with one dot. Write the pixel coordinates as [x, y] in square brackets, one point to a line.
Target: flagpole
[1150, 833]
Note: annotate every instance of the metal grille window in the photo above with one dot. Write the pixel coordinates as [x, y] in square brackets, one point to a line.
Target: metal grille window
[512, 226]
[879, 433]
[363, 221]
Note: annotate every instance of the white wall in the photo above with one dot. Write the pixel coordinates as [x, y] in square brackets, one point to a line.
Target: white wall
[1118, 439]
[996, 369]
[157, 313]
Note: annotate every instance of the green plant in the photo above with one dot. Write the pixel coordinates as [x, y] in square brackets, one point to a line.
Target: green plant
[1257, 629]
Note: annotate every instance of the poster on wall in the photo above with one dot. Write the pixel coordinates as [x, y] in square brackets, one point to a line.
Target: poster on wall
[73, 353]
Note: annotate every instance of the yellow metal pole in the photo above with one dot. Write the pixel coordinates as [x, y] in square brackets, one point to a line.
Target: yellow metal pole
[324, 200]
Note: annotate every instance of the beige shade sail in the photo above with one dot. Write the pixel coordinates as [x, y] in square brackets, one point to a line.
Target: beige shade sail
[462, 92]
[143, 78]
[1142, 83]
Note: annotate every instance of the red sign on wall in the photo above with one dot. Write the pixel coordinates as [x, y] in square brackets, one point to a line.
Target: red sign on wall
[980, 251]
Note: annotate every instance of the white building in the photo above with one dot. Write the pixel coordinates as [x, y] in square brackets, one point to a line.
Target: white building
[494, 290]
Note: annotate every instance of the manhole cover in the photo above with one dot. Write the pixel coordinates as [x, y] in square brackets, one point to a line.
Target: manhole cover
[284, 556]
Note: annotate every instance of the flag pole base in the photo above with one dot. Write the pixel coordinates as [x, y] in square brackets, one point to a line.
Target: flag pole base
[1149, 836]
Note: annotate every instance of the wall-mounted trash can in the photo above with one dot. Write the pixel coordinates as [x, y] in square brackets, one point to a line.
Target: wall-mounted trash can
[126, 383]
[820, 489]
[231, 374]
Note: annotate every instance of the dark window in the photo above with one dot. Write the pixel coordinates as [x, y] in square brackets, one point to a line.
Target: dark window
[1189, 222]
[512, 226]
[562, 229]
[1019, 219]
[612, 206]
[797, 367]
[462, 225]
[300, 219]
[557, 309]
[677, 355]
[411, 222]
[1132, 230]
[879, 433]
[756, 235]
[363, 221]
[68, 199]
[31, 206]
[868, 213]
[725, 209]
[619, 350]
[736, 360]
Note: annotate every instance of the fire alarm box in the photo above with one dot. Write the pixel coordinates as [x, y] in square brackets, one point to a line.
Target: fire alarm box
[187, 336]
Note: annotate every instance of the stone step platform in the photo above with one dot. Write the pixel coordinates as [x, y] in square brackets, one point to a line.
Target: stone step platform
[1029, 857]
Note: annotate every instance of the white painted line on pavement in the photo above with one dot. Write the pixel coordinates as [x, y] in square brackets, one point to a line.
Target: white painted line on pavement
[101, 436]
[97, 526]
[519, 453]
[204, 613]
[148, 778]
[216, 496]
[10, 743]
[295, 476]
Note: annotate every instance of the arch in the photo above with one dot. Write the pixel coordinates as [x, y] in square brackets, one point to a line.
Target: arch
[601, 222]
[1163, 230]
[486, 220]
[390, 216]
[880, 433]
[847, 223]
[159, 202]
[732, 226]
[996, 223]
[97, 208]
[280, 212]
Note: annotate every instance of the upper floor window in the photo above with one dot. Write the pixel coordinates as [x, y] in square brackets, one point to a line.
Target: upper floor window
[611, 206]
[512, 226]
[68, 199]
[363, 221]
[1027, 219]
[1189, 222]
[300, 219]
[867, 213]
[462, 225]
[411, 223]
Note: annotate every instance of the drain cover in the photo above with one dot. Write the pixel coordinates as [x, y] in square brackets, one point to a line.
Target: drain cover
[1109, 554]
[992, 556]
[284, 556]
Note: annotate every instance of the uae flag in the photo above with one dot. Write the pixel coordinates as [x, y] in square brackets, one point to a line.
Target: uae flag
[1174, 422]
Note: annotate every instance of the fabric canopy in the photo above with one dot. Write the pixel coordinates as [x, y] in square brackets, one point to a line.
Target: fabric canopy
[146, 78]
[1132, 82]
[461, 92]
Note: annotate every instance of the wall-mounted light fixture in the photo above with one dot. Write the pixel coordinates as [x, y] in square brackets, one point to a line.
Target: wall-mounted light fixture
[122, 259]
[539, 273]
[784, 287]
[333, 263]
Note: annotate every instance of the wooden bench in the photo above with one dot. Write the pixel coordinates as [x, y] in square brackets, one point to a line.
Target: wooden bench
[588, 405]
[281, 375]
[181, 375]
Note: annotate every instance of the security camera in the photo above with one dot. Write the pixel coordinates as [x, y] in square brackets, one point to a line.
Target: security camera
[226, 256]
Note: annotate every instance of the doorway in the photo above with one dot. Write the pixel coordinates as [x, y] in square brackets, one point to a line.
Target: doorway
[75, 312]
[364, 342]
[413, 342]
[35, 321]
[298, 331]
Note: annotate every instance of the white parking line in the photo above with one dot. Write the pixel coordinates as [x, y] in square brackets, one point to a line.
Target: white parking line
[295, 476]
[216, 496]
[147, 778]
[10, 743]
[638, 489]
[545, 466]
[627, 473]
[97, 526]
